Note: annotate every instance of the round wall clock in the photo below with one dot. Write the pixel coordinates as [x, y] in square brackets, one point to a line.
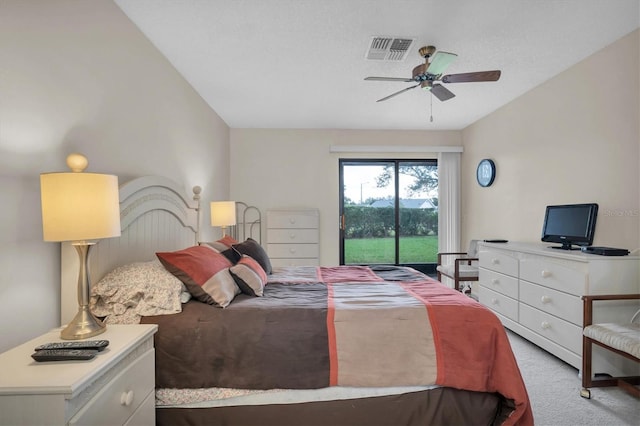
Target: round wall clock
[486, 172]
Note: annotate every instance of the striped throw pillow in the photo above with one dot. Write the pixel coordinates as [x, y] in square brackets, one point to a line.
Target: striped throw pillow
[249, 276]
[204, 272]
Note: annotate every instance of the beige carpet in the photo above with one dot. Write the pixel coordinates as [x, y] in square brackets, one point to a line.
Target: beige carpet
[554, 392]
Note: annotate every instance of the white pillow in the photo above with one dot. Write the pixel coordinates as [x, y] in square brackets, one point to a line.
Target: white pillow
[137, 289]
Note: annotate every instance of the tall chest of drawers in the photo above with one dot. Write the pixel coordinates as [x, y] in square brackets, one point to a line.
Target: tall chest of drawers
[293, 237]
[536, 292]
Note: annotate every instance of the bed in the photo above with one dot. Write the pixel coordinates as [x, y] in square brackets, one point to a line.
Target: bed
[241, 343]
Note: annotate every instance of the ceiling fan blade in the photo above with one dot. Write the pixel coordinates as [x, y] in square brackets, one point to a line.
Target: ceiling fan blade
[397, 93]
[406, 80]
[441, 92]
[440, 62]
[470, 77]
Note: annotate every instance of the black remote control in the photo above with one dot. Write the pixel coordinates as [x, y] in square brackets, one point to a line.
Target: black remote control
[98, 345]
[496, 241]
[64, 354]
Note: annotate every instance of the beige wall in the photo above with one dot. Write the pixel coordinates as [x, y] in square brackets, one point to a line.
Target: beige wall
[573, 139]
[79, 76]
[294, 168]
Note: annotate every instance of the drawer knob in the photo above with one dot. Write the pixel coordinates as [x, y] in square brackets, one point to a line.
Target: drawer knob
[545, 325]
[545, 274]
[292, 220]
[545, 299]
[292, 235]
[495, 261]
[494, 301]
[126, 398]
[495, 281]
[292, 250]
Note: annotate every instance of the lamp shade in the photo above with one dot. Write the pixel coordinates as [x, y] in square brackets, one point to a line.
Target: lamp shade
[79, 206]
[223, 213]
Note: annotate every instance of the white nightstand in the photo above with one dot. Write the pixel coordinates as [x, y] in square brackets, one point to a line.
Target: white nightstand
[114, 388]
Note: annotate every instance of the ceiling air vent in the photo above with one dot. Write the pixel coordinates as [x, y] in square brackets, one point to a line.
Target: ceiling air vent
[383, 48]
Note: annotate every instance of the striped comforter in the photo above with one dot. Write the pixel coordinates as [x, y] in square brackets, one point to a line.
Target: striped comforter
[317, 327]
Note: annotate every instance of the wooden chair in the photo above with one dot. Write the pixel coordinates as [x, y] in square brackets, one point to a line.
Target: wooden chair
[620, 338]
[463, 268]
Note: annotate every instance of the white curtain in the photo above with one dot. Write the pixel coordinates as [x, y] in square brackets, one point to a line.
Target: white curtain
[449, 201]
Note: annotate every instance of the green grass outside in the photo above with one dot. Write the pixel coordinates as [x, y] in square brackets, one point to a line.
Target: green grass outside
[381, 250]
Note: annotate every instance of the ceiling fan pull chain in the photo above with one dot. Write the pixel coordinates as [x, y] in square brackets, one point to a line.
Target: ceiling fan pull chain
[431, 102]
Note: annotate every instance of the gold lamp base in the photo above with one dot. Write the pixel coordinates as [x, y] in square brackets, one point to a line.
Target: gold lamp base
[83, 326]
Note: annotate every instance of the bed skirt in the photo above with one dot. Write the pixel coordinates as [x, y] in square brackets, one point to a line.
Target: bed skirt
[442, 406]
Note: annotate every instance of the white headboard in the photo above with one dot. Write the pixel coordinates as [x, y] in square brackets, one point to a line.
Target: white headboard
[155, 215]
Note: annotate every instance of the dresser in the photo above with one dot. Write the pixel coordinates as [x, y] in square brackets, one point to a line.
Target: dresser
[536, 292]
[114, 388]
[293, 237]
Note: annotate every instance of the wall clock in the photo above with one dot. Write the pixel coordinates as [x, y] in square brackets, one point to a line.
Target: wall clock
[486, 172]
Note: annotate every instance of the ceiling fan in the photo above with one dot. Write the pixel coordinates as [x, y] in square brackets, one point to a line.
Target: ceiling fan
[428, 75]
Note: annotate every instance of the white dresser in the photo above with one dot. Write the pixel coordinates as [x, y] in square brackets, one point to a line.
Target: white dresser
[114, 388]
[293, 237]
[536, 292]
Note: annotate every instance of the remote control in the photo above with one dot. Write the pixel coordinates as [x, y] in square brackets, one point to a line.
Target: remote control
[496, 241]
[63, 354]
[98, 345]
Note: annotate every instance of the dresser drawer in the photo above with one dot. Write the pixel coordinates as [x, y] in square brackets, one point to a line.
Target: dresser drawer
[292, 219]
[293, 250]
[121, 397]
[293, 261]
[309, 236]
[499, 302]
[498, 282]
[553, 328]
[562, 305]
[554, 274]
[499, 262]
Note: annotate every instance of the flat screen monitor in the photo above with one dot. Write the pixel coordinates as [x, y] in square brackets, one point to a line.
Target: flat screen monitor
[569, 225]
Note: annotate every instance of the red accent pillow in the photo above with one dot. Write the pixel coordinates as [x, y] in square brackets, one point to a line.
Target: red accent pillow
[204, 272]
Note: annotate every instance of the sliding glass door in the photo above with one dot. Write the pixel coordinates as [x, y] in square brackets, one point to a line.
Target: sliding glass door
[389, 212]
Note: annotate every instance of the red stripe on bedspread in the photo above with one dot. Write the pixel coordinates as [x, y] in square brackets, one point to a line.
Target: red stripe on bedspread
[473, 349]
[331, 331]
[342, 274]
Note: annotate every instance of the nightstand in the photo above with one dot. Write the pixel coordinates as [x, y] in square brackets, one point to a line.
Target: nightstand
[115, 388]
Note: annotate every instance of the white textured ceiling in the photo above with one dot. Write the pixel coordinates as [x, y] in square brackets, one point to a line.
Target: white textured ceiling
[301, 63]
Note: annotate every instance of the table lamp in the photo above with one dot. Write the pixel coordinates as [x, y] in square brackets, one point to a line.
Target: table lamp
[223, 214]
[79, 207]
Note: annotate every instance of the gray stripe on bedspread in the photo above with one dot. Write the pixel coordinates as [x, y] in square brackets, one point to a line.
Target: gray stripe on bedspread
[397, 273]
